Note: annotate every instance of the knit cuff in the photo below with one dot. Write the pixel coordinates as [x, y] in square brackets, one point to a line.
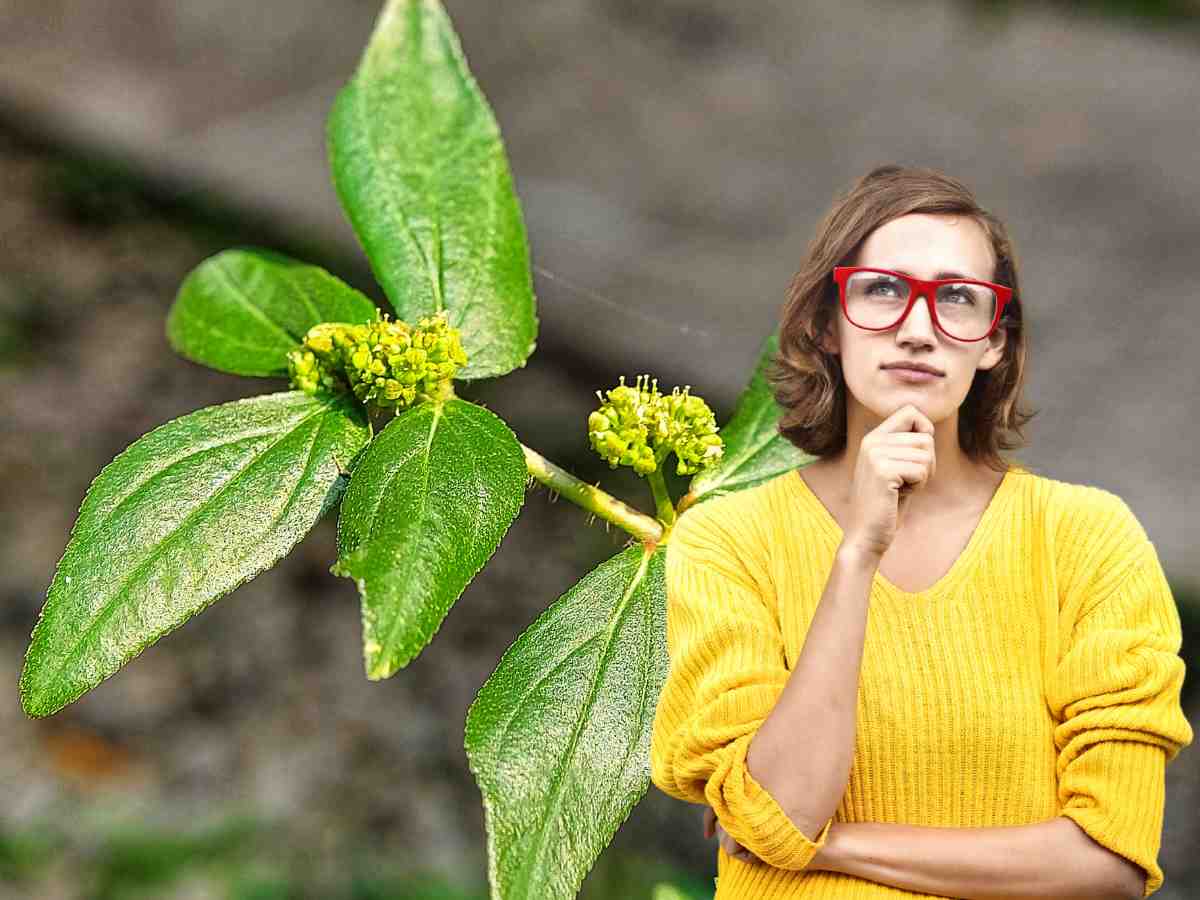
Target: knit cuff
[1117, 798]
[759, 823]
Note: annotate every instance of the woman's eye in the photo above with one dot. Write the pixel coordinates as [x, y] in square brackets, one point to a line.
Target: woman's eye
[962, 296]
[882, 287]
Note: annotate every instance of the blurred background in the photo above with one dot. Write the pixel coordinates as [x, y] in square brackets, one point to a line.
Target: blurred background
[672, 158]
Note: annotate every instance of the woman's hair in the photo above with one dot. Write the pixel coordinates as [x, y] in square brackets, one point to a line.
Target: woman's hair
[808, 382]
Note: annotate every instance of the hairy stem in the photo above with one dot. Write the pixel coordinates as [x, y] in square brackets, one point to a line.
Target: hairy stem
[591, 498]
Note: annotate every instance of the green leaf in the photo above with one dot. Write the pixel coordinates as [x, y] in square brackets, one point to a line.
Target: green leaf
[420, 167]
[755, 451]
[667, 891]
[243, 310]
[427, 506]
[559, 736]
[184, 515]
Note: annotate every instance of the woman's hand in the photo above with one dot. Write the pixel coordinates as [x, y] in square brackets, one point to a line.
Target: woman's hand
[894, 459]
[728, 844]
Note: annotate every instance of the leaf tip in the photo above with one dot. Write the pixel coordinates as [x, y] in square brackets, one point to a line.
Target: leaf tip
[380, 670]
[35, 703]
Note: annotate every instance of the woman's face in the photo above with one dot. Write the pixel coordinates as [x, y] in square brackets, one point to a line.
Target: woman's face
[920, 245]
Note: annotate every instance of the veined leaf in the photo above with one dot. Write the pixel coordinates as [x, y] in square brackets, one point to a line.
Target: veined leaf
[241, 311]
[184, 515]
[559, 736]
[420, 168]
[427, 506]
[755, 451]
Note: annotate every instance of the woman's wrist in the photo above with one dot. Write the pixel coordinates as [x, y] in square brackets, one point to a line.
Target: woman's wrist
[854, 556]
[831, 856]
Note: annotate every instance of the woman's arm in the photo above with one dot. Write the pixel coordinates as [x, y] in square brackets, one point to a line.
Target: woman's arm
[814, 719]
[728, 669]
[1052, 859]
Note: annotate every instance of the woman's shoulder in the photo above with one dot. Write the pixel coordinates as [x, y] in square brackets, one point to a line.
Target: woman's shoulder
[1073, 507]
[740, 503]
[1092, 531]
[739, 519]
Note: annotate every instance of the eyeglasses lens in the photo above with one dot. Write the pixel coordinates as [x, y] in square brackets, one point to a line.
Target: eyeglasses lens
[877, 300]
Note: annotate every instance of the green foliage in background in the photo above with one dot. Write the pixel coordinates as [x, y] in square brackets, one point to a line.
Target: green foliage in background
[1149, 12]
[242, 858]
[425, 484]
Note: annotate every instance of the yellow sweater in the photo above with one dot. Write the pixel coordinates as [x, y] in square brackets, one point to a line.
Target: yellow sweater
[1038, 677]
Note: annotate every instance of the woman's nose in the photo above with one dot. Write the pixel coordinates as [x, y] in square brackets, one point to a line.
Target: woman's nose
[918, 323]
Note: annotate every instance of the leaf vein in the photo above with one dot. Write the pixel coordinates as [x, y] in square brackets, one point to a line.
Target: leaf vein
[196, 321]
[240, 296]
[203, 448]
[593, 688]
[364, 117]
[111, 605]
[290, 277]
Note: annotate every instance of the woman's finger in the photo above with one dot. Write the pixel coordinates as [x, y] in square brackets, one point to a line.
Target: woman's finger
[732, 847]
[737, 851]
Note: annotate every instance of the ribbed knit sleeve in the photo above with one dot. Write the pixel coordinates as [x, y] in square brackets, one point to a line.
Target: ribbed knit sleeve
[727, 669]
[1115, 699]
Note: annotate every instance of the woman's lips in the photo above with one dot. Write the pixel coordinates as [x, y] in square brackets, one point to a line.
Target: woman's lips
[912, 376]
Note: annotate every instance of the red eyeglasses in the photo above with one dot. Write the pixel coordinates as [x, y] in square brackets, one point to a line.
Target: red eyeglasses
[879, 299]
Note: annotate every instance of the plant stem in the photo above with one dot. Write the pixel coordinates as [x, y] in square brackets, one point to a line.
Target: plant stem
[662, 497]
[591, 498]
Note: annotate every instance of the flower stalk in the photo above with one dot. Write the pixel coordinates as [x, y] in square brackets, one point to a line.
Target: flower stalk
[662, 497]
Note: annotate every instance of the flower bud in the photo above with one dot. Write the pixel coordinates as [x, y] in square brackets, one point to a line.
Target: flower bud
[638, 426]
[386, 363]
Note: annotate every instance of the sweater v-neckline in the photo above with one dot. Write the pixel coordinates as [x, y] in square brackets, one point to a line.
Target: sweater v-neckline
[961, 565]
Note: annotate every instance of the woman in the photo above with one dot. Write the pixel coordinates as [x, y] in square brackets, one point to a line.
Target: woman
[912, 667]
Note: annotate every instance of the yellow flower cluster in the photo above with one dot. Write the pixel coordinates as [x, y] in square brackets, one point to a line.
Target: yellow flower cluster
[387, 364]
[638, 427]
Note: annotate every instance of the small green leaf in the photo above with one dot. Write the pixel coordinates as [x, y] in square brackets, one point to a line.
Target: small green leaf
[184, 515]
[559, 736]
[667, 891]
[755, 451]
[420, 168]
[427, 506]
[243, 310]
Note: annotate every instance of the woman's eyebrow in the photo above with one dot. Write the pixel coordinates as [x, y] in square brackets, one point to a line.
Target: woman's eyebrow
[941, 275]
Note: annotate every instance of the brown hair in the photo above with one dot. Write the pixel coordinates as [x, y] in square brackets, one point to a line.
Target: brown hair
[808, 382]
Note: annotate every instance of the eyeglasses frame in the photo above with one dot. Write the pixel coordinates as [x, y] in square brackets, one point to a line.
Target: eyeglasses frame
[919, 287]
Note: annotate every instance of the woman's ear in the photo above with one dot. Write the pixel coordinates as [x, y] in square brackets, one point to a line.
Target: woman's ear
[828, 339]
[995, 351]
